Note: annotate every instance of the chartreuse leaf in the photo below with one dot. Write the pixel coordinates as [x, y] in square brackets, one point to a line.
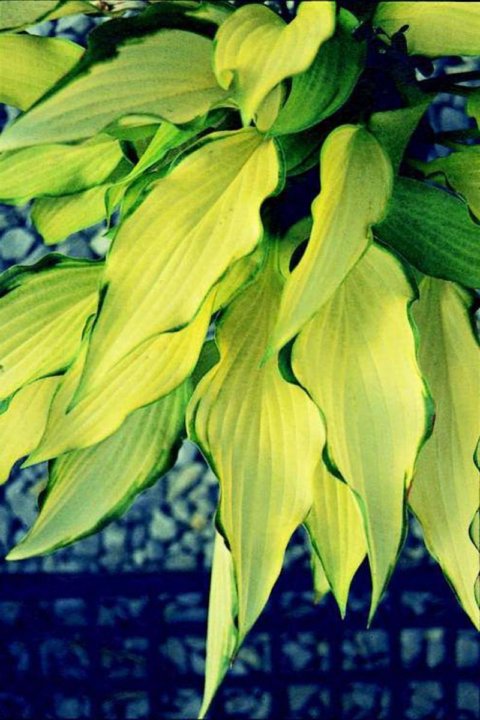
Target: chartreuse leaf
[321, 586]
[433, 28]
[57, 218]
[462, 171]
[57, 169]
[357, 359]
[152, 370]
[23, 423]
[14, 14]
[88, 488]
[444, 494]
[31, 65]
[165, 73]
[255, 49]
[327, 84]
[43, 310]
[263, 437]
[169, 253]
[336, 531]
[433, 231]
[356, 179]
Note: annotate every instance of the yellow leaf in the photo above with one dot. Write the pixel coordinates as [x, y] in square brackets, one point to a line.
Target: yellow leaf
[167, 255]
[445, 490]
[357, 359]
[356, 181]
[255, 49]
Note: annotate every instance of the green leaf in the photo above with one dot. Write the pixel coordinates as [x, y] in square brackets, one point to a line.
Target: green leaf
[300, 150]
[394, 128]
[321, 586]
[435, 29]
[327, 84]
[336, 531]
[180, 241]
[15, 14]
[255, 49]
[76, 503]
[444, 494]
[263, 438]
[57, 169]
[30, 65]
[357, 360]
[43, 310]
[151, 371]
[473, 106]
[433, 231]
[462, 171]
[222, 612]
[356, 178]
[23, 423]
[166, 73]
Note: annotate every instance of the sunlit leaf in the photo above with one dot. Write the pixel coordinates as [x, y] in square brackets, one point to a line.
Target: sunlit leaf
[433, 231]
[336, 531]
[88, 488]
[433, 28]
[445, 489]
[23, 423]
[168, 254]
[462, 171]
[15, 14]
[31, 65]
[357, 359]
[166, 73]
[321, 586]
[255, 49]
[327, 84]
[356, 179]
[43, 310]
[263, 437]
[57, 218]
[57, 169]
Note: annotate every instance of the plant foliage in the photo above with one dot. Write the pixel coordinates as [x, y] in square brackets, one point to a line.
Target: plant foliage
[342, 384]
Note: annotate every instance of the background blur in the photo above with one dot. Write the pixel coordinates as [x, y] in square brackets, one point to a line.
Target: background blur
[114, 626]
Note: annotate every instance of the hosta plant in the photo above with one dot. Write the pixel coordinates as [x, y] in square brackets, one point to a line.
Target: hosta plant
[323, 360]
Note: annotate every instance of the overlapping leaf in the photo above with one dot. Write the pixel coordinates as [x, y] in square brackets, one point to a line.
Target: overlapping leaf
[169, 253]
[57, 169]
[445, 489]
[87, 488]
[357, 359]
[31, 65]
[256, 50]
[462, 171]
[166, 74]
[18, 14]
[356, 179]
[433, 231]
[433, 28]
[43, 310]
[264, 438]
[23, 423]
[327, 84]
[336, 531]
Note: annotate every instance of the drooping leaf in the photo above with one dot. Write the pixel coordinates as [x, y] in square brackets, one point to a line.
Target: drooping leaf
[356, 178]
[462, 171]
[222, 635]
[357, 359]
[321, 586]
[88, 488]
[43, 310]
[263, 437]
[255, 49]
[152, 370]
[31, 65]
[445, 490]
[394, 128]
[57, 169]
[168, 254]
[300, 150]
[433, 231]
[23, 423]
[336, 531]
[433, 28]
[327, 84]
[166, 73]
